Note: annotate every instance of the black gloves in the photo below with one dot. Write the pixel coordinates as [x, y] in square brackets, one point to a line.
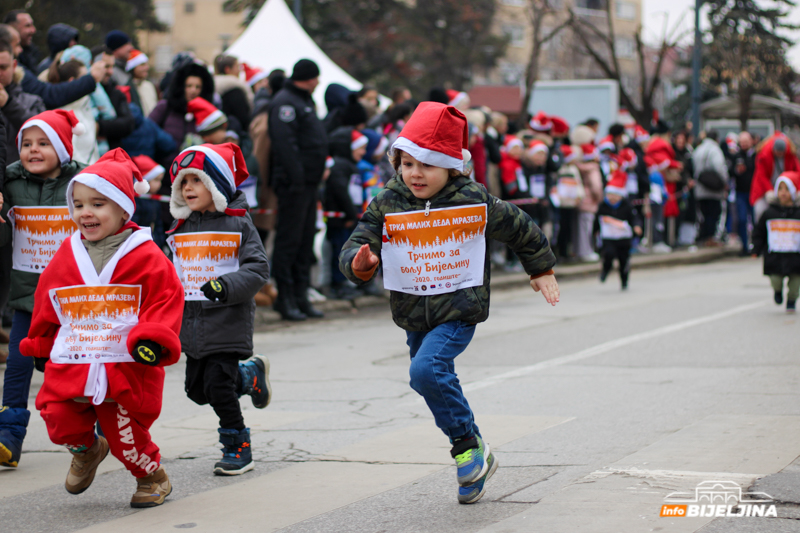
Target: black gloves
[39, 362]
[147, 353]
[214, 290]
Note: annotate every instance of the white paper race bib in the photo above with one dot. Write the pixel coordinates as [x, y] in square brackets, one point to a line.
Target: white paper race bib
[250, 189]
[356, 191]
[37, 235]
[522, 181]
[632, 184]
[783, 235]
[538, 186]
[203, 256]
[435, 254]
[656, 194]
[95, 323]
[615, 229]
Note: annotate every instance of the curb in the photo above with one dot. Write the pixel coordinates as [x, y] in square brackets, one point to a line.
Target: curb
[268, 320]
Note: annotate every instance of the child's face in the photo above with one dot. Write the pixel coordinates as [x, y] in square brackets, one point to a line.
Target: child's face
[97, 217]
[425, 181]
[217, 136]
[155, 184]
[539, 158]
[784, 196]
[359, 153]
[38, 155]
[515, 152]
[196, 195]
[613, 198]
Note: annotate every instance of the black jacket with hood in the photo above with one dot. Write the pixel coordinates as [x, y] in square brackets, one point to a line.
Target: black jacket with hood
[344, 170]
[776, 263]
[226, 327]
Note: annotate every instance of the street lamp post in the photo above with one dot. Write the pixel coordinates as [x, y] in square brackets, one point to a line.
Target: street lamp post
[696, 64]
[298, 11]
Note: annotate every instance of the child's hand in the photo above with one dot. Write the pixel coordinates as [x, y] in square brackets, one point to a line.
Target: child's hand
[637, 230]
[365, 260]
[549, 287]
[40, 362]
[147, 353]
[214, 290]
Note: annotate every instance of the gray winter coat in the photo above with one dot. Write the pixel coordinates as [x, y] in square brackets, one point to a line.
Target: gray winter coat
[226, 327]
[709, 156]
[20, 107]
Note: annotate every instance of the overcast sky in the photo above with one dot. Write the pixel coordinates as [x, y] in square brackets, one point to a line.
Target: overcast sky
[655, 12]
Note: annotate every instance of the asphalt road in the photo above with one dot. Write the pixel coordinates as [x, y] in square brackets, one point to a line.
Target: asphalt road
[598, 409]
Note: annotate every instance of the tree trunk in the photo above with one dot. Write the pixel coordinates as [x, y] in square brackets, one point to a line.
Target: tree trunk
[531, 75]
[745, 96]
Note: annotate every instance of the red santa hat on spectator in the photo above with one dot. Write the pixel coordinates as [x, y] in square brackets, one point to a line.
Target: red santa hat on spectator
[135, 58]
[59, 126]
[115, 176]
[606, 143]
[570, 153]
[589, 152]
[512, 142]
[541, 122]
[357, 140]
[253, 75]
[617, 184]
[437, 135]
[560, 126]
[627, 159]
[640, 134]
[792, 181]
[455, 97]
[660, 159]
[205, 115]
[220, 167]
[537, 146]
[150, 169]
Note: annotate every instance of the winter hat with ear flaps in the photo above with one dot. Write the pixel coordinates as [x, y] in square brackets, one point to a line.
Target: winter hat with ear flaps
[59, 126]
[437, 135]
[220, 167]
[113, 176]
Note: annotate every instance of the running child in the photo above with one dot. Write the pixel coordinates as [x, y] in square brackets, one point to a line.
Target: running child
[616, 223]
[428, 230]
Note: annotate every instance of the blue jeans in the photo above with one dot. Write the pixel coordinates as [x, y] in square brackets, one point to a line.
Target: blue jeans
[433, 376]
[744, 214]
[17, 380]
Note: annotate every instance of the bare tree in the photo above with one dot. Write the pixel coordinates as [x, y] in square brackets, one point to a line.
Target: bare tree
[590, 35]
[538, 11]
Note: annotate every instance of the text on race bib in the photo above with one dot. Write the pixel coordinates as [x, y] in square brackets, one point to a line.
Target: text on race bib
[38, 233]
[783, 235]
[203, 256]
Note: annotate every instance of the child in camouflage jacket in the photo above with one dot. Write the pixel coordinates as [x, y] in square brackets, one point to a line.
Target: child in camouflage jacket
[429, 226]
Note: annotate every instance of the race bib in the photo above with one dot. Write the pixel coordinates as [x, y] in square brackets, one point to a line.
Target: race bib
[537, 186]
[37, 235]
[435, 254]
[201, 257]
[632, 185]
[250, 187]
[783, 235]
[615, 229]
[95, 323]
[568, 191]
[656, 195]
[356, 190]
[522, 181]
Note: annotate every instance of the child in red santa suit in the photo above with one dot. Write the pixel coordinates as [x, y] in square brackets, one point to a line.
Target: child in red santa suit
[106, 320]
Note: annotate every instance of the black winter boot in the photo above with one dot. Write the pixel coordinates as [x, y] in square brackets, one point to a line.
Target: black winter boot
[287, 307]
[305, 307]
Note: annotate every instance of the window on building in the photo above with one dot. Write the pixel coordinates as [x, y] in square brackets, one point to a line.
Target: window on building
[163, 58]
[188, 7]
[626, 47]
[515, 3]
[595, 5]
[625, 10]
[165, 11]
[515, 34]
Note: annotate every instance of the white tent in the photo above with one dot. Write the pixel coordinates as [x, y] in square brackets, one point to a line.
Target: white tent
[274, 39]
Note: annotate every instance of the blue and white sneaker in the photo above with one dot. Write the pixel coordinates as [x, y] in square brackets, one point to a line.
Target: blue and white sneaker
[474, 492]
[255, 380]
[469, 455]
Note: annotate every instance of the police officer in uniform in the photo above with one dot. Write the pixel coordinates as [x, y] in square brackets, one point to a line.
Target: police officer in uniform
[299, 150]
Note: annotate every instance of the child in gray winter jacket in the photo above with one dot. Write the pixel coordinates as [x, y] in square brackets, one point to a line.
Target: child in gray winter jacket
[222, 264]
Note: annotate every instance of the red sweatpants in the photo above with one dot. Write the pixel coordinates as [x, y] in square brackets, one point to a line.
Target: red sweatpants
[71, 423]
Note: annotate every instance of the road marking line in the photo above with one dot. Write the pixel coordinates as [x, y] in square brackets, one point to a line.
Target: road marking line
[605, 347]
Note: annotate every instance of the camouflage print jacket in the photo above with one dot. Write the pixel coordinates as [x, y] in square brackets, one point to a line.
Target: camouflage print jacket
[506, 223]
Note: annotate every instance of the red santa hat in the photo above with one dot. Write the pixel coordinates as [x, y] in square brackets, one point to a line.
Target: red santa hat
[640, 134]
[627, 158]
[357, 140]
[220, 167]
[537, 146]
[253, 75]
[570, 153]
[541, 122]
[455, 97]
[607, 143]
[113, 176]
[792, 181]
[150, 169]
[618, 182]
[512, 142]
[329, 162]
[437, 135]
[589, 152]
[659, 159]
[59, 126]
[560, 126]
[205, 115]
[135, 58]
[126, 90]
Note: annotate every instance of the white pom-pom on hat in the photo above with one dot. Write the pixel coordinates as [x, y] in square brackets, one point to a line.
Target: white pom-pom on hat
[79, 129]
[141, 187]
[189, 117]
[466, 155]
